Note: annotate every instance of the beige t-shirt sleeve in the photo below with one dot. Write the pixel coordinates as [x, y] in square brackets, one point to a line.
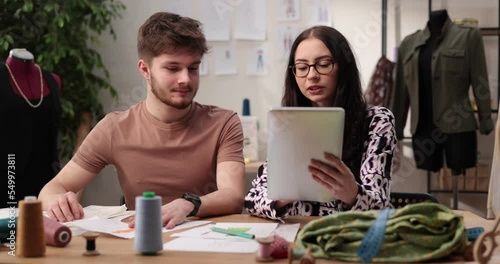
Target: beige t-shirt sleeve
[95, 151]
[231, 141]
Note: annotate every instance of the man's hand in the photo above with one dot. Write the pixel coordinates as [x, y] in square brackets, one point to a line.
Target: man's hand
[65, 208]
[173, 213]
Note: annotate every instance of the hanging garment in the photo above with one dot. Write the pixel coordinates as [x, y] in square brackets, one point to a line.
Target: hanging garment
[379, 90]
[458, 61]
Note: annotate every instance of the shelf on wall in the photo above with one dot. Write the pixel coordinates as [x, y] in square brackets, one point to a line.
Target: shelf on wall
[490, 31]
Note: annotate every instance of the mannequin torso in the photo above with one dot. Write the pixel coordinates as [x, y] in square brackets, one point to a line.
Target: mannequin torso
[33, 122]
[27, 75]
[437, 20]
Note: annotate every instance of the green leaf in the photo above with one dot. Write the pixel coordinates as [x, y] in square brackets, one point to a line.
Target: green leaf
[9, 39]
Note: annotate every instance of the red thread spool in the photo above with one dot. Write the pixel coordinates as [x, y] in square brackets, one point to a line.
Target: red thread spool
[56, 234]
[264, 250]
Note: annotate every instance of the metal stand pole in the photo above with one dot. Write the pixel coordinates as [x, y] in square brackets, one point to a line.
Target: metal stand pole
[455, 191]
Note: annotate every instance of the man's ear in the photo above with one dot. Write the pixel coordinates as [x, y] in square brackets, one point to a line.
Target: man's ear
[144, 69]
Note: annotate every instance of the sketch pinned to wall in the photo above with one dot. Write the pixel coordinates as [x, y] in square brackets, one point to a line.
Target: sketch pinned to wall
[181, 7]
[251, 18]
[216, 20]
[225, 60]
[286, 35]
[203, 70]
[319, 13]
[257, 63]
[288, 10]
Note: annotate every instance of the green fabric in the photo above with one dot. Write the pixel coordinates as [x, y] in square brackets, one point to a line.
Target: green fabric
[414, 233]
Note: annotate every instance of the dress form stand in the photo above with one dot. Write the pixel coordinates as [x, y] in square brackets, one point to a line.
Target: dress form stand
[437, 20]
[454, 176]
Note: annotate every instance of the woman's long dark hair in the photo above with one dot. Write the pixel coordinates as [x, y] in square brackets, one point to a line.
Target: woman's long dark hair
[348, 95]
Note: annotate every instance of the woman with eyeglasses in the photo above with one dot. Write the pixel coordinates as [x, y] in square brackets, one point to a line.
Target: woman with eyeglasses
[322, 72]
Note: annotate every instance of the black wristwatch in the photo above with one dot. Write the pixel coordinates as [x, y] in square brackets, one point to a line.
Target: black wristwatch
[195, 199]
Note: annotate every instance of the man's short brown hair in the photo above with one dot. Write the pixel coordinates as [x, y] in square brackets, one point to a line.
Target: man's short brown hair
[165, 32]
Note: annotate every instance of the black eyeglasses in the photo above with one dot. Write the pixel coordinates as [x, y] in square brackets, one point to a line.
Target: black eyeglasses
[322, 67]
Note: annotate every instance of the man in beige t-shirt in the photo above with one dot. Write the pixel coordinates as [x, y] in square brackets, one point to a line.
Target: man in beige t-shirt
[189, 154]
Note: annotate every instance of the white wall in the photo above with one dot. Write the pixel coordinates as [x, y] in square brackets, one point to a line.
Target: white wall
[358, 20]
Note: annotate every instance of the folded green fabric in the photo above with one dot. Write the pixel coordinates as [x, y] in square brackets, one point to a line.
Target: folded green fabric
[414, 233]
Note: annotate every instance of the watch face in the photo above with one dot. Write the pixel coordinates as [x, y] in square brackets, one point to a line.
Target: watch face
[192, 198]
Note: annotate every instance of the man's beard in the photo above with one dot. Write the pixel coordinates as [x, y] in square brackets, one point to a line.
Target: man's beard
[165, 99]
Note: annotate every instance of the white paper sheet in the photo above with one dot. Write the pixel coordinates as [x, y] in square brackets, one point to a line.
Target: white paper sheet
[204, 66]
[212, 245]
[121, 229]
[181, 7]
[215, 19]
[106, 226]
[319, 13]
[8, 212]
[187, 224]
[287, 231]
[257, 63]
[203, 239]
[225, 59]
[105, 212]
[286, 35]
[203, 232]
[251, 19]
[288, 10]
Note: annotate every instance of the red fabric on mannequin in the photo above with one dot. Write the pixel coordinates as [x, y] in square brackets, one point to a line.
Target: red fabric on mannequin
[27, 77]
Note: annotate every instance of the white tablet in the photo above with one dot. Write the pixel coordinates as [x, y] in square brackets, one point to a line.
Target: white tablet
[295, 136]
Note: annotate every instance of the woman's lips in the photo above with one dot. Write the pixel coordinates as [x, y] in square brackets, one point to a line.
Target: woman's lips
[315, 90]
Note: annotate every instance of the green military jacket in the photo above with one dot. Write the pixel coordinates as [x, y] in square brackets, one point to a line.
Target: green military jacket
[457, 62]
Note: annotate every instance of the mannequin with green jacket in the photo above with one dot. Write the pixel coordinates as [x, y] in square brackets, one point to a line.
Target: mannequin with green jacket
[435, 68]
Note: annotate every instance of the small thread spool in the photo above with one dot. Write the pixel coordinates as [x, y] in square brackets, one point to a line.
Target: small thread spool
[148, 226]
[56, 234]
[30, 231]
[90, 246]
[294, 253]
[264, 250]
[246, 107]
[307, 258]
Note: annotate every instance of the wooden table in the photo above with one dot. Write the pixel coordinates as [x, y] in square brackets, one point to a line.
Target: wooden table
[120, 251]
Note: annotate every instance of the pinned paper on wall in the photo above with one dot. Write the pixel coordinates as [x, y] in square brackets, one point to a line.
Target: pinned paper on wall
[251, 18]
[257, 63]
[215, 21]
[286, 36]
[203, 68]
[225, 60]
[181, 7]
[288, 10]
[319, 13]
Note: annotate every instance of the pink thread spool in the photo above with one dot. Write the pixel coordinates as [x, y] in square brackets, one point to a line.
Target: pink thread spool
[56, 234]
[264, 250]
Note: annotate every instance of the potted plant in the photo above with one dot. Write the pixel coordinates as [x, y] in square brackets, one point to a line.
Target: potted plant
[60, 34]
